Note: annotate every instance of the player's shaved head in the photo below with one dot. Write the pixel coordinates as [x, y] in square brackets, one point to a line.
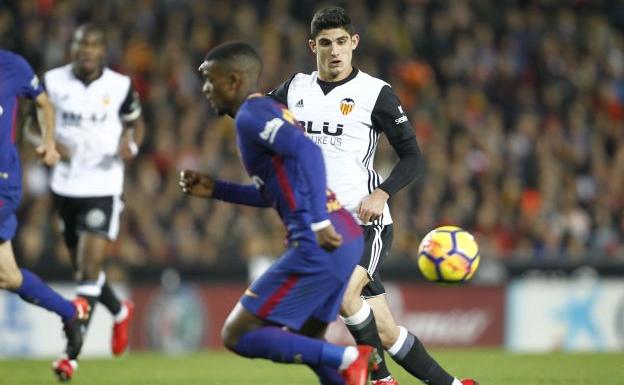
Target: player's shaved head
[236, 56]
[88, 29]
[88, 51]
[329, 18]
[230, 73]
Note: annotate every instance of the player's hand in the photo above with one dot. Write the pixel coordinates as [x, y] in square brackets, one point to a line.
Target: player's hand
[372, 206]
[328, 238]
[128, 148]
[196, 184]
[48, 154]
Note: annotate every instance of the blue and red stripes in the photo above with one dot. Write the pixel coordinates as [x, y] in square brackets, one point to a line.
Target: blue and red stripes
[345, 224]
[276, 297]
[283, 182]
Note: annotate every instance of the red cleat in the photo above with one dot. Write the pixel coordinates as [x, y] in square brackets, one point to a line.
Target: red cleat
[469, 381]
[357, 372]
[119, 340]
[64, 369]
[385, 381]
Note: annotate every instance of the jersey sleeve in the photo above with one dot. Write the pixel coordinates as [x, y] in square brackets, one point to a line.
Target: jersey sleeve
[389, 117]
[281, 92]
[278, 133]
[28, 84]
[244, 194]
[131, 107]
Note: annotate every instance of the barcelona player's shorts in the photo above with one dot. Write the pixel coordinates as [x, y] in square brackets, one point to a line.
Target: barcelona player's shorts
[307, 282]
[10, 195]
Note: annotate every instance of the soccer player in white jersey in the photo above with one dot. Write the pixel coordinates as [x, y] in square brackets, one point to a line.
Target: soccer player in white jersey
[99, 127]
[344, 111]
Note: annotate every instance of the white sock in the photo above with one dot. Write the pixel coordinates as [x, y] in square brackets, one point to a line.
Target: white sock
[350, 354]
[456, 382]
[123, 313]
[398, 344]
[359, 316]
[89, 290]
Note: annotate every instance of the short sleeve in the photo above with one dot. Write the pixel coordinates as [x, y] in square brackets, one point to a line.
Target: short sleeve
[131, 107]
[28, 84]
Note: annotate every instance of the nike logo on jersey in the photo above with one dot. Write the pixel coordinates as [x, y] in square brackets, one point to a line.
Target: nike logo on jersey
[299, 104]
[251, 294]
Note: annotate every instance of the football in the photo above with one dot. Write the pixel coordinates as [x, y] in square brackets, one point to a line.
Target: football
[448, 254]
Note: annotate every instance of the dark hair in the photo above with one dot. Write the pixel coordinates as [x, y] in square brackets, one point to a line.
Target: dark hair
[328, 18]
[232, 52]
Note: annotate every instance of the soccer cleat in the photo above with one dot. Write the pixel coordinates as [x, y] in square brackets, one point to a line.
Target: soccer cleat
[385, 381]
[357, 372]
[64, 368]
[469, 381]
[73, 328]
[119, 340]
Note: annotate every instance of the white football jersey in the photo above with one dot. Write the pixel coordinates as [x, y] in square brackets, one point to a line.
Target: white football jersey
[89, 122]
[340, 121]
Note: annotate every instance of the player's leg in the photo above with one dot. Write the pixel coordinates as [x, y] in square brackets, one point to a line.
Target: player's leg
[354, 311]
[249, 336]
[93, 286]
[89, 224]
[327, 375]
[405, 348]
[89, 255]
[31, 289]
[287, 295]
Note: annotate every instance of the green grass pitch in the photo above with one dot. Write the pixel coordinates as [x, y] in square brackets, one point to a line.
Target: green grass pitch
[490, 367]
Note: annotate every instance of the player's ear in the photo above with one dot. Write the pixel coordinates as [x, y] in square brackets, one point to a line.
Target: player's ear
[355, 40]
[235, 79]
[312, 45]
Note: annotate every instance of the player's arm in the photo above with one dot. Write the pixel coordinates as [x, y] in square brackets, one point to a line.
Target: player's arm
[45, 117]
[281, 136]
[134, 126]
[31, 88]
[204, 186]
[388, 116]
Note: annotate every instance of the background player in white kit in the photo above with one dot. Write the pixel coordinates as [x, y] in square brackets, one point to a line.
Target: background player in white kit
[345, 111]
[99, 126]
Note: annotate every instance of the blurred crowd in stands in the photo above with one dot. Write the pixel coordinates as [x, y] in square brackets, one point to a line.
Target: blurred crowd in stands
[518, 107]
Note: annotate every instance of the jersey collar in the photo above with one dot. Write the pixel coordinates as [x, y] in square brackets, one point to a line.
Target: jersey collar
[86, 84]
[326, 87]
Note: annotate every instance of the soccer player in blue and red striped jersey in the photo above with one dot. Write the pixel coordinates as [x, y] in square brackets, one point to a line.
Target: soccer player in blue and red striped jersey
[301, 292]
[17, 79]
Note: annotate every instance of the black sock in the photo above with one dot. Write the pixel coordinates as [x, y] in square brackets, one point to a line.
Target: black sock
[109, 299]
[414, 358]
[365, 333]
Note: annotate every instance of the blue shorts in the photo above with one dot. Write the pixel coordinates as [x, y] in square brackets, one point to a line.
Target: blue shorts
[306, 282]
[9, 201]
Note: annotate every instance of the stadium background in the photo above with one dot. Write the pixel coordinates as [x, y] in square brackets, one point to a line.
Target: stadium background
[518, 107]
